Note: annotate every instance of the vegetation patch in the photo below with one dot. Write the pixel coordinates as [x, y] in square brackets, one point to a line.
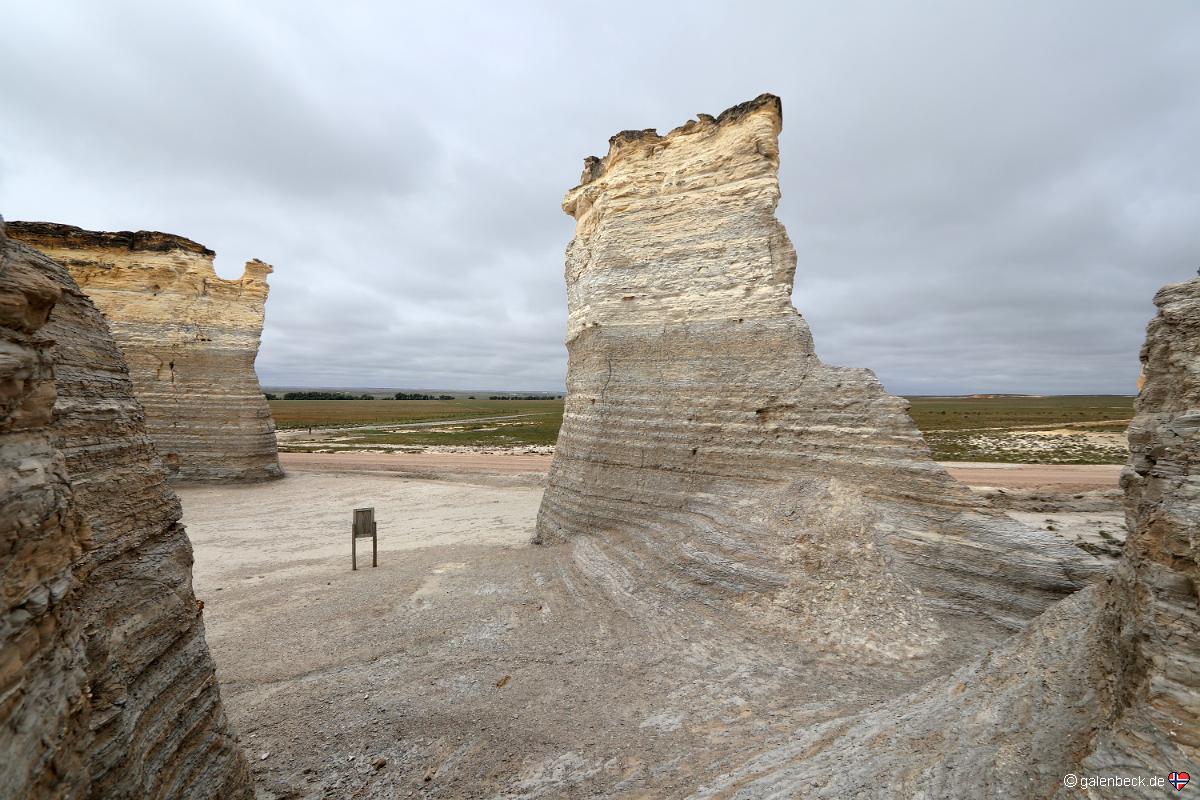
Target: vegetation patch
[1029, 430]
[1074, 429]
[344, 413]
[541, 429]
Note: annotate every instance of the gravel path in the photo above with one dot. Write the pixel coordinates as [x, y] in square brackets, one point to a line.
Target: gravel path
[1015, 476]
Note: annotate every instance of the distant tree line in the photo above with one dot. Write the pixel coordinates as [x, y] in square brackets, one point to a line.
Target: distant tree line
[525, 397]
[418, 396]
[324, 396]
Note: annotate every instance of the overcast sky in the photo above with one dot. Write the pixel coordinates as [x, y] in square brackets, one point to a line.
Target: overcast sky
[984, 196]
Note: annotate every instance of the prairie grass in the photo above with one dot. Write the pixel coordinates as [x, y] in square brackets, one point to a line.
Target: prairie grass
[1073, 429]
[343, 413]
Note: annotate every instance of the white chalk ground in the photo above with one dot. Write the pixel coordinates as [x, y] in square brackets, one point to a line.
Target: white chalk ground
[316, 663]
[302, 522]
[468, 664]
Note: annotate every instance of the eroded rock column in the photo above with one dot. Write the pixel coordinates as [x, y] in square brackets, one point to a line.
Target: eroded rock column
[707, 449]
[1157, 591]
[190, 339]
[107, 689]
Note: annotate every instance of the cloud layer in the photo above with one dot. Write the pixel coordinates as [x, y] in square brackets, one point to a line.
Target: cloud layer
[983, 196]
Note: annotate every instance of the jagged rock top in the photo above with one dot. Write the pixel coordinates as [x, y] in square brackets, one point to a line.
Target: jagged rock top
[689, 231]
[154, 241]
[594, 167]
[152, 276]
[1179, 386]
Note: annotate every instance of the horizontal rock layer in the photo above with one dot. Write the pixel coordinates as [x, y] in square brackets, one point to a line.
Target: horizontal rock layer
[43, 682]
[706, 448]
[1157, 590]
[107, 689]
[190, 339]
[1105, 683]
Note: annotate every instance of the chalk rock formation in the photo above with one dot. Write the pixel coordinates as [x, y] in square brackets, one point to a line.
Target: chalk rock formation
[190, 339]
[1157, 588]
[1104, 684]
[107, 689]
[705, 446]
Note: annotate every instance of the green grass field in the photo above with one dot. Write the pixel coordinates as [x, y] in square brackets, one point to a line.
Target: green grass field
[1015, 429]
[958, 413]
[341, 413]
[1088, 429]
[537, 424]
[538, 429]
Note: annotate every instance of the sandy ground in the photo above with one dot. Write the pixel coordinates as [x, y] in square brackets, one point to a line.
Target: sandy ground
[1064, 477]
[305, 519]
[471, 663]
[419, 464]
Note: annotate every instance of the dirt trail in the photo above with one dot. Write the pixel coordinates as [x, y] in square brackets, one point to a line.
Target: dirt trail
[1079, 477]
[418, 463]
[1064, 477]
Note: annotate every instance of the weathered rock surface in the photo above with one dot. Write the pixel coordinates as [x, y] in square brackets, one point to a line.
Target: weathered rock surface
[107, 689]
[706, 448]
[1157, 588]
[190, 339]
[1104, 684]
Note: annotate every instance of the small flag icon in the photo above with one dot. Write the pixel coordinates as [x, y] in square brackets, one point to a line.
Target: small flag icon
[1179, 780]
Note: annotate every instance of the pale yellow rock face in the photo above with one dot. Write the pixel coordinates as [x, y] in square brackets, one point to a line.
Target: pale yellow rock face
[190, 339]
[681, 228]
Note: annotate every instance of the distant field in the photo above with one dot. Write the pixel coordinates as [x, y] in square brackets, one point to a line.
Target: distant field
[532, 422]
[338, 413]
[537, 429]
[1074, 429]
[957, 413]
[1039, 430]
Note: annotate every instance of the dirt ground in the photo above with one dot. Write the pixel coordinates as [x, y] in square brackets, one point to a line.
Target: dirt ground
[447, 464]
[1063, 477]
[471, 663]
[440, 464]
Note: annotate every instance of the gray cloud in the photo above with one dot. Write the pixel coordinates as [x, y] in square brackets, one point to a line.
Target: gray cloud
[983, 196]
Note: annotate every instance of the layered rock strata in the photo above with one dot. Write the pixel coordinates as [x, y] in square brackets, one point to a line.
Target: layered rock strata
[1156, 594]
[190, 339]
[1105, 684]
[107, 689]
[706, 448]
